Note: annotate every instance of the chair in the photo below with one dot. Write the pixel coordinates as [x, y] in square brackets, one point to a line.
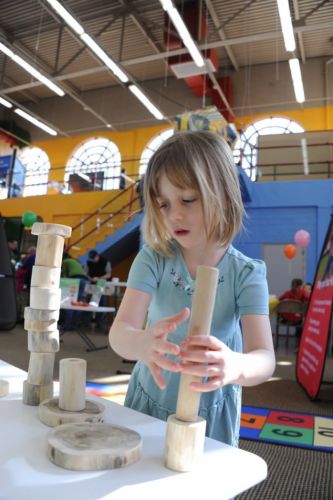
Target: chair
[288, 306]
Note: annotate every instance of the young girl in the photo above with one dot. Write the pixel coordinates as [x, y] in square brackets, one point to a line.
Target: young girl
[193, 211]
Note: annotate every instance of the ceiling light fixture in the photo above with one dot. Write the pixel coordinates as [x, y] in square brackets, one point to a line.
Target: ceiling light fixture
[36, 122]
[67, 17]
[296, 76]
[100, 53]
[183, 32]
[5, 103]
[146, 102]
[286, 25]
[104, 57]
[30, 69]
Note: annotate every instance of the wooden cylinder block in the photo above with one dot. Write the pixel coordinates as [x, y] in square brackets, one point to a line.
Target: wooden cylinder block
[40, 320]
[72, 384]
[201, 317]
[47, 228]
[40, 371]
[49, 250]
[44, 298]
[45, 277]
[93, 446]
[4, 388]
[184, 443]
[34, 394]
[40, 314]
[50, 413]
[43, 341]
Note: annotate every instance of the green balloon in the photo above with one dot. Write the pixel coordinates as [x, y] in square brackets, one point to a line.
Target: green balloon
[29, 218]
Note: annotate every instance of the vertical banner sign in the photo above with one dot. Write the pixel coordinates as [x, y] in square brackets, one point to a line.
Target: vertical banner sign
[315, 336]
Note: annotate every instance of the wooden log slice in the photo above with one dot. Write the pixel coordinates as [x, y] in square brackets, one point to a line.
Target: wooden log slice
[93, 446]
[47, 228]
[43, 341]
[41, 326]
[41, 314]
[45, 298]
[4, 388]
[50, 413]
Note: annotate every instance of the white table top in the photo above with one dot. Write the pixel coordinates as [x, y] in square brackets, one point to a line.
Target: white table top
[26, 472]
[87, 308]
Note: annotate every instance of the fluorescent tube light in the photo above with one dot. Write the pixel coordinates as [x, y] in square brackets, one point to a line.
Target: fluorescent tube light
[146, 102]
[296, 76]
[286, 25]
[36, 122]
[104, 57]
[305, 157]
[5, 103]
[30, 69]
[67, 17]
[183, 32]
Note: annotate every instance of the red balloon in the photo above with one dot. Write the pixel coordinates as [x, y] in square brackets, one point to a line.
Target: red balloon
[290, 251]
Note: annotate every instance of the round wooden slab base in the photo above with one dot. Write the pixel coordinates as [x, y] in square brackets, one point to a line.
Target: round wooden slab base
[50, 413]
[4, 388]
[93, 446]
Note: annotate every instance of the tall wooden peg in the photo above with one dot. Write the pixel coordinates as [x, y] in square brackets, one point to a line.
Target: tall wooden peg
[186, 430]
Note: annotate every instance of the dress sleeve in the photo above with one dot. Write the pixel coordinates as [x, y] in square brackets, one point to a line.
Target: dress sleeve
[252, 289]
[145, 271]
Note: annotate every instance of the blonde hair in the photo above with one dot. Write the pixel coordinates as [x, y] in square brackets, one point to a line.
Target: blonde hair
[201, 161]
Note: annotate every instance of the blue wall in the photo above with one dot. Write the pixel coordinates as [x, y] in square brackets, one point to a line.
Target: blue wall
[276, 210]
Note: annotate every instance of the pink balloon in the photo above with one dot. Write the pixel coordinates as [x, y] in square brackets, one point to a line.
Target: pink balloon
[302, 238]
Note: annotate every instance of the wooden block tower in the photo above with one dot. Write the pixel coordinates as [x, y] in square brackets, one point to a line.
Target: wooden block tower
[186, 430]
[40, 319]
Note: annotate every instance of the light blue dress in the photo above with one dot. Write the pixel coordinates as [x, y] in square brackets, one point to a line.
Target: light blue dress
[242, 290]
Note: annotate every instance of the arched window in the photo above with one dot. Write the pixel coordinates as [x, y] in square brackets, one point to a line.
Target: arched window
[153, 146]
[245, 151]
[96, 162]
[37, 166]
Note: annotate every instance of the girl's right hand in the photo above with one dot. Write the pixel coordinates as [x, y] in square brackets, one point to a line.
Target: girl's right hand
[156, 346]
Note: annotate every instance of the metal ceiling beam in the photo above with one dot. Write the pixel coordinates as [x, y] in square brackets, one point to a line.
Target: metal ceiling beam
[299, 35]
[155, 57]
[85, 47]
[221, 33]
[68, 88]
[27, 110]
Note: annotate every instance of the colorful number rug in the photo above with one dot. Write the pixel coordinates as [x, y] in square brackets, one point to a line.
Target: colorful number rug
[287, 428]
[259, 424]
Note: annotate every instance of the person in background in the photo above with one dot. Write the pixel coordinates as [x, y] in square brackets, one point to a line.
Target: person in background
[71, 268]
[27, 264]
[13, 253]
[99, 268]
[308, 288]
[193, 210]
[296, 292]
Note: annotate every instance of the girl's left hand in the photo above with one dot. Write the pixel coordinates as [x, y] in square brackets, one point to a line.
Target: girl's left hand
[206, 356]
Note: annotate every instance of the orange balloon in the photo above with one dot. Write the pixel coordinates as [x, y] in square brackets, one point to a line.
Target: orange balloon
[289, 251]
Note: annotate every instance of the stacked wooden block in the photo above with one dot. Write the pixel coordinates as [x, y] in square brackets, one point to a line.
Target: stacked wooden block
[41, 318]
